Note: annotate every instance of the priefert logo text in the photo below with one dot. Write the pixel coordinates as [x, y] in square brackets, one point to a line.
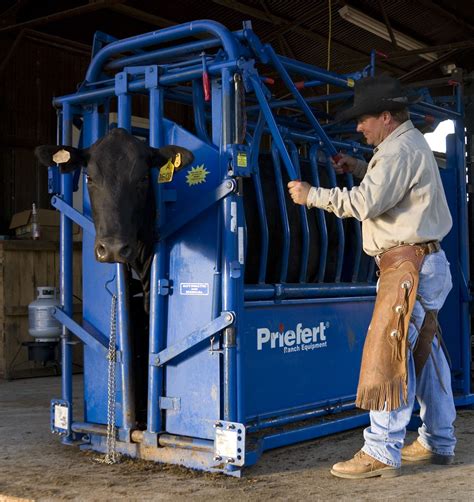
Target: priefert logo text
[293, 340]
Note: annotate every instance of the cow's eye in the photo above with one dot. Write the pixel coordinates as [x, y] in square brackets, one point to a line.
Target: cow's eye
[88, 179]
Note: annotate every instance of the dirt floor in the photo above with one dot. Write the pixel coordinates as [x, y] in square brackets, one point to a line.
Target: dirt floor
[34, 465]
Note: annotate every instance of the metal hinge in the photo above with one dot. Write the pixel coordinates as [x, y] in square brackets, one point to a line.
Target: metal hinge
[163, 287]
[170, 403]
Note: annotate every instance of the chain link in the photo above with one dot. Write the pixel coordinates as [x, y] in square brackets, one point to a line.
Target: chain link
[111, 456]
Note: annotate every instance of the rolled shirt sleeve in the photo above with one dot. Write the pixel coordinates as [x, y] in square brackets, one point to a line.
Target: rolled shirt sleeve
[401, 198]
[385, 183]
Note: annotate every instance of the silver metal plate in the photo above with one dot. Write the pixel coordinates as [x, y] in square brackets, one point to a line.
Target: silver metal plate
[229, 444]
[60, 416]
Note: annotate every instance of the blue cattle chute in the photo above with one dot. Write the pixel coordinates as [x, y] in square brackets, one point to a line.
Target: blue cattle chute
[275, 356]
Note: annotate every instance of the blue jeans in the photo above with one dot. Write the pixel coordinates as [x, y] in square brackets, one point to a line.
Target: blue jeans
[385, 436]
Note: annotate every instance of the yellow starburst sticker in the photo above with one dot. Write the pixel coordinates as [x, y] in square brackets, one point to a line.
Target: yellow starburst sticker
[196, 175]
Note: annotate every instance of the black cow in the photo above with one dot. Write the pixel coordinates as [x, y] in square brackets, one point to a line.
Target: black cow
[118, 181]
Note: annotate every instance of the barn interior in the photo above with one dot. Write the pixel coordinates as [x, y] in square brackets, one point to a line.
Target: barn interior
[47, 48]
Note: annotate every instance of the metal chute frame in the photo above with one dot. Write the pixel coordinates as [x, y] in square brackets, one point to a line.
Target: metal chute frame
[249, 387]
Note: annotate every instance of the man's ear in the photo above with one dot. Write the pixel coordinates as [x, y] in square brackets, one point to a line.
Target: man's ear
[68, 158]
[179, 156]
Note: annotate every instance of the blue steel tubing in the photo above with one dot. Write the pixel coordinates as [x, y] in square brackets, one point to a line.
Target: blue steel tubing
[199, 113]
[106, 108]
[124, 101]
[463, 232]
[303, 216]
[315, 99]
[373, 54]
[230, 299]
[123, 321]
[155, 57]
[126, 372]
[357, 248]
[323, 231]
[348, 77]
[228, 41]
[416, 118]
[93, 95]
[65, 272]
[459, 99]
[320, 429]
[301, 101]
[339, 226]
[285, 255]
[305, 137]
[437, 111]
[188, 63]
[95, 122]
[262, 215]
[272, 125]
[309, 138]
[231, 302]
[186, 73]
[360, 148]
[158, 302]
[313, 71]
[288, 291]
[307, 415]
[226, 100]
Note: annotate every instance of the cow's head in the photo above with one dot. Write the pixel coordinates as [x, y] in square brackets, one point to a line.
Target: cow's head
[118, 180]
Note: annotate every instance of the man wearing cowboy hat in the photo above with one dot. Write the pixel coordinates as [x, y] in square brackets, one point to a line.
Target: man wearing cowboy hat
[404, 213]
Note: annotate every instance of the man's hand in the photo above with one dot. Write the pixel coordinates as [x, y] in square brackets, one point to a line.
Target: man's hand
[346, 164]
[299, 191]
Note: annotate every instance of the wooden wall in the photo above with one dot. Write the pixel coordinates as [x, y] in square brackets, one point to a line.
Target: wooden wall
[25, 265]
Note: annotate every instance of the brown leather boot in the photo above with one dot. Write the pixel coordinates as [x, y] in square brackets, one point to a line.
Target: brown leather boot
[416, 452]
[364, 466]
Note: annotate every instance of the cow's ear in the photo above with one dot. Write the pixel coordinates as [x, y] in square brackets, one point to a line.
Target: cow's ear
[179, 156]
[68, 158]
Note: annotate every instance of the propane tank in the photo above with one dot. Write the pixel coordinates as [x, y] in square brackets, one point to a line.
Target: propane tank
[42, 325]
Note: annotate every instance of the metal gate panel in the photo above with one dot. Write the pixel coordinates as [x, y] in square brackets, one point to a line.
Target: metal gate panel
[299, 353]
[192, 380]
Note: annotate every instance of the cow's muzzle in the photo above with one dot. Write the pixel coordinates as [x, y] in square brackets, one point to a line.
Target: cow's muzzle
[113, 252]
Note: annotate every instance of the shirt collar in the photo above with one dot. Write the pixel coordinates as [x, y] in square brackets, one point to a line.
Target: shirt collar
[401, 129]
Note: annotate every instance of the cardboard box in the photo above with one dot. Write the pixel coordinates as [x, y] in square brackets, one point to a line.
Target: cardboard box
[48, 221]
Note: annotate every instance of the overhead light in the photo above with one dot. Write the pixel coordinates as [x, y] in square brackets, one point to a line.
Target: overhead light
[368, 23]
[448, 68]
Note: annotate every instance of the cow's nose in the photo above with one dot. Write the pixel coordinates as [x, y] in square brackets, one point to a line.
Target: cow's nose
[125, 252]
[102, 252]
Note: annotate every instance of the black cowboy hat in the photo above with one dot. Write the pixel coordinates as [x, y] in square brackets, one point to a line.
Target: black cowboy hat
[373, 95]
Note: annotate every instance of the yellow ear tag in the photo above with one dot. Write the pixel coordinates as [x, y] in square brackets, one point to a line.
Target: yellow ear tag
[177, 160]
[166, 172]
[61, 156]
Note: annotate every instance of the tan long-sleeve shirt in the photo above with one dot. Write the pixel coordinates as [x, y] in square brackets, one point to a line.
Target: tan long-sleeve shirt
[400, 200]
